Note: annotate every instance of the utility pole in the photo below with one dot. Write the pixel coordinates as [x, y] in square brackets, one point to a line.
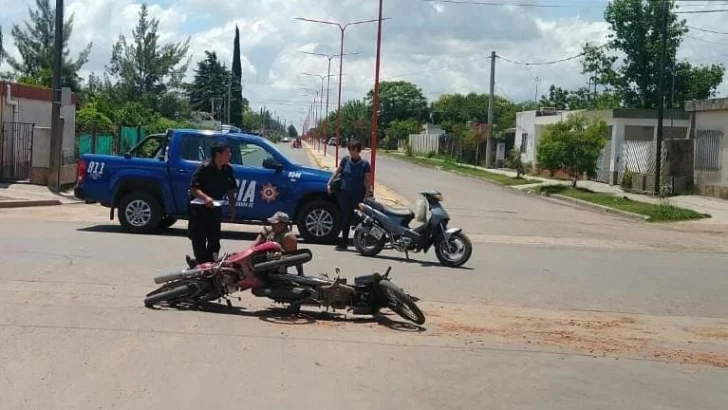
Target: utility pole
[491, 112]
[661, 102]
[56, 125]
[375, 102]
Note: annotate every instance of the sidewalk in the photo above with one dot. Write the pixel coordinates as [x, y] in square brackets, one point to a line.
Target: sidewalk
[21, 195]
[381, 192]
[716, 208]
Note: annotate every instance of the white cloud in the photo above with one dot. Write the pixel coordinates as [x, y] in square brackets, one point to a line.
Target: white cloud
[440, 47]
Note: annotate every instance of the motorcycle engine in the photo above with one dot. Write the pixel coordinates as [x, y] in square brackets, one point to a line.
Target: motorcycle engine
[404, 243]
[337, 295]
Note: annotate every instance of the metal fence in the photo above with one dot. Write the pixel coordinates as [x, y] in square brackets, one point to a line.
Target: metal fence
[16, 150]
[707, 150]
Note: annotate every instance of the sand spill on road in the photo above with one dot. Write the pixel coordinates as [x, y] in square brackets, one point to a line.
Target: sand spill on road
[681, 339]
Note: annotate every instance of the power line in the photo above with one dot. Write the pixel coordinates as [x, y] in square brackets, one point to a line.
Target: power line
[549, 62]
[706, 41]
[706, 30]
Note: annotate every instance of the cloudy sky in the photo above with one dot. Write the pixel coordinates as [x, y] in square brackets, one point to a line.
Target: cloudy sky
[442, 46]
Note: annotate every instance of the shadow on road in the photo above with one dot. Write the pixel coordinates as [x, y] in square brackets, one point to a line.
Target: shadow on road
[281, 316]
[230, 235]
[424, 264]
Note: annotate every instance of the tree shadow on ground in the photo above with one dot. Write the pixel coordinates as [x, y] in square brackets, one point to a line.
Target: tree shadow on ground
[424, 264]
[281, 316]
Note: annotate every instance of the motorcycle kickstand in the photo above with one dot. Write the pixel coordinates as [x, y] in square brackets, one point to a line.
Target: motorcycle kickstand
[406, 254]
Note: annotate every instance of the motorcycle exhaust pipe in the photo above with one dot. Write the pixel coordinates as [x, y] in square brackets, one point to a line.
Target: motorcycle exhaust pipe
[176, 276]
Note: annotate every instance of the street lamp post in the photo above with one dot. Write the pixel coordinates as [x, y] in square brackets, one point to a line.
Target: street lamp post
[328, 87]
[321, 102]
[341, 67]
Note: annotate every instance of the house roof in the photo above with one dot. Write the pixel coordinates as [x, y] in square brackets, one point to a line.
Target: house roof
[30, 92]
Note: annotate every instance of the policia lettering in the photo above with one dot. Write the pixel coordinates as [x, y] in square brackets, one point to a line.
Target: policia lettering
[247, 190]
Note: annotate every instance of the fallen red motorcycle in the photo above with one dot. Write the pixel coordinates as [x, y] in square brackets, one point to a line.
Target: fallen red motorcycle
[262, 269]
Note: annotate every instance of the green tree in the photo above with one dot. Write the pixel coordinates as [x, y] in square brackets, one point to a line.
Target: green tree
[398, 100]
[401, 129]
[236, 99]
[636, 33]
[573, 145]
[144, 68]
[211, 79]
[2, 49]
[90, 119]
[35, 44]
[292, 132]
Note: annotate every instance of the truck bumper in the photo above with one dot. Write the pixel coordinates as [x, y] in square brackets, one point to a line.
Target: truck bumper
[79, 193]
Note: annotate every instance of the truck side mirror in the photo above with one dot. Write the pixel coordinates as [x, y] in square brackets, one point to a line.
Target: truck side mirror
[271, 163]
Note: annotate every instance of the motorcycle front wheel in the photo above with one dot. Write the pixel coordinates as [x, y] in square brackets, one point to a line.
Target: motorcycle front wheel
[366, 244]
[170, 295]
[401, 303]
[454, 252]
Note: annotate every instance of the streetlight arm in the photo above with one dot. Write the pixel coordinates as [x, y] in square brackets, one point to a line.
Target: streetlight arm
[362, 22]
[319, 21]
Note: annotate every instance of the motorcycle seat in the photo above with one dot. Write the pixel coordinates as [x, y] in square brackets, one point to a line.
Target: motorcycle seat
[400, 212]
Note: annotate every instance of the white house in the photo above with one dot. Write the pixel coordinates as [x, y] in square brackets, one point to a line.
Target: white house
[632, 133]
[25, 112]
[709, 129]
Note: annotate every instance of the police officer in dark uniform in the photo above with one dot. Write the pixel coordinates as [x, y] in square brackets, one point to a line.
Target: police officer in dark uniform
[210, 182]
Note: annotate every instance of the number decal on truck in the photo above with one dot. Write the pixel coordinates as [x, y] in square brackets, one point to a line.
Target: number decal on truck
[95, 169]
[294, 175]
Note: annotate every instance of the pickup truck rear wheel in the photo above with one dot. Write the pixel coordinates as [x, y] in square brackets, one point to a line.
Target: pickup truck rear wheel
[139, 212]
[319, 222]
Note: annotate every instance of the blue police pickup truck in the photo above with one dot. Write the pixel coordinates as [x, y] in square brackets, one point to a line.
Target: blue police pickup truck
[149, 184]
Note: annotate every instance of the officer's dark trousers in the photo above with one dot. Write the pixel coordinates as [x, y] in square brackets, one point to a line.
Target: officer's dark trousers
[348, 202]
[203, 230]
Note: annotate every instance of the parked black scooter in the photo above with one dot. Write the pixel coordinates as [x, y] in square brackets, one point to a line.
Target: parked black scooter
[384, 227]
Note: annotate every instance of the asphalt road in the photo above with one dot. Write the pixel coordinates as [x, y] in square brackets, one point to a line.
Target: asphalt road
[74, 332]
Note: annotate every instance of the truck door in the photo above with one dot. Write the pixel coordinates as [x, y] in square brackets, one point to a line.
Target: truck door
[193, 151]
[261, 191]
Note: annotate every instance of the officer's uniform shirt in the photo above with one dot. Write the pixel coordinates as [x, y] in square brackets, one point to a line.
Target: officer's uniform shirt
[213, 181]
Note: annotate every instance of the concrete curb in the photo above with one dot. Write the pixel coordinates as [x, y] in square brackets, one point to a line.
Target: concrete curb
[578, 203]
[23, 203]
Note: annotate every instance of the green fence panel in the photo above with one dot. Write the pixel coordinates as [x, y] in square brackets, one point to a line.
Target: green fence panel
[84, 144]
[104, 144]
[129, 138]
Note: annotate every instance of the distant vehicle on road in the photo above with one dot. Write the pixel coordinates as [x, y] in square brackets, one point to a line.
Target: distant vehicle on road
[332, 141]
[286, 139]
[149, 185]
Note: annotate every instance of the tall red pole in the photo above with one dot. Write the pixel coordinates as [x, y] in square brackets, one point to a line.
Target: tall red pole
[321, 110]
[326, 117]
[375, 103]
[338, 117]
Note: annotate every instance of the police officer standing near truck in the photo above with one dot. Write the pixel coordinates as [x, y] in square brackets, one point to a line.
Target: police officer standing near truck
[210, 182]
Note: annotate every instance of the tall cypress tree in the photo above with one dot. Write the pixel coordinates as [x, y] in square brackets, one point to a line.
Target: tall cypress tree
[236, 103]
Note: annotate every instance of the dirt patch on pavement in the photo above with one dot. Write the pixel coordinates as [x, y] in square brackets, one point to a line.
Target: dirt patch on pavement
[680, 339]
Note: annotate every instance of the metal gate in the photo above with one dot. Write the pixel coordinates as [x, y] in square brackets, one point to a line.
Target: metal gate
[604, 163]
[16, 150]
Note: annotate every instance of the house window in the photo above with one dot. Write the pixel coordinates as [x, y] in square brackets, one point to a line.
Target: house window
[524, 142]
[707, 150]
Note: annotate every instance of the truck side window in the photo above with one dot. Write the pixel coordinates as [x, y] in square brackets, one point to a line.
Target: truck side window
[195, 147]
[247, 154]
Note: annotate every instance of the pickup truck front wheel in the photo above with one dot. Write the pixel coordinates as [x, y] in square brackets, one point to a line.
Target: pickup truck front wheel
[319, 222]
[139, 212]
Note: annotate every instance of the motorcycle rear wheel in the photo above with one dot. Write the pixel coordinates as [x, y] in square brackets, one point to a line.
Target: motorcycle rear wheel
[365, 244]
[170, 295]
[401, 303]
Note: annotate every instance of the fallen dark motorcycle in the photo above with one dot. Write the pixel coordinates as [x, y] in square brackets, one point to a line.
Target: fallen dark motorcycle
[262, 269]
[384, 227]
